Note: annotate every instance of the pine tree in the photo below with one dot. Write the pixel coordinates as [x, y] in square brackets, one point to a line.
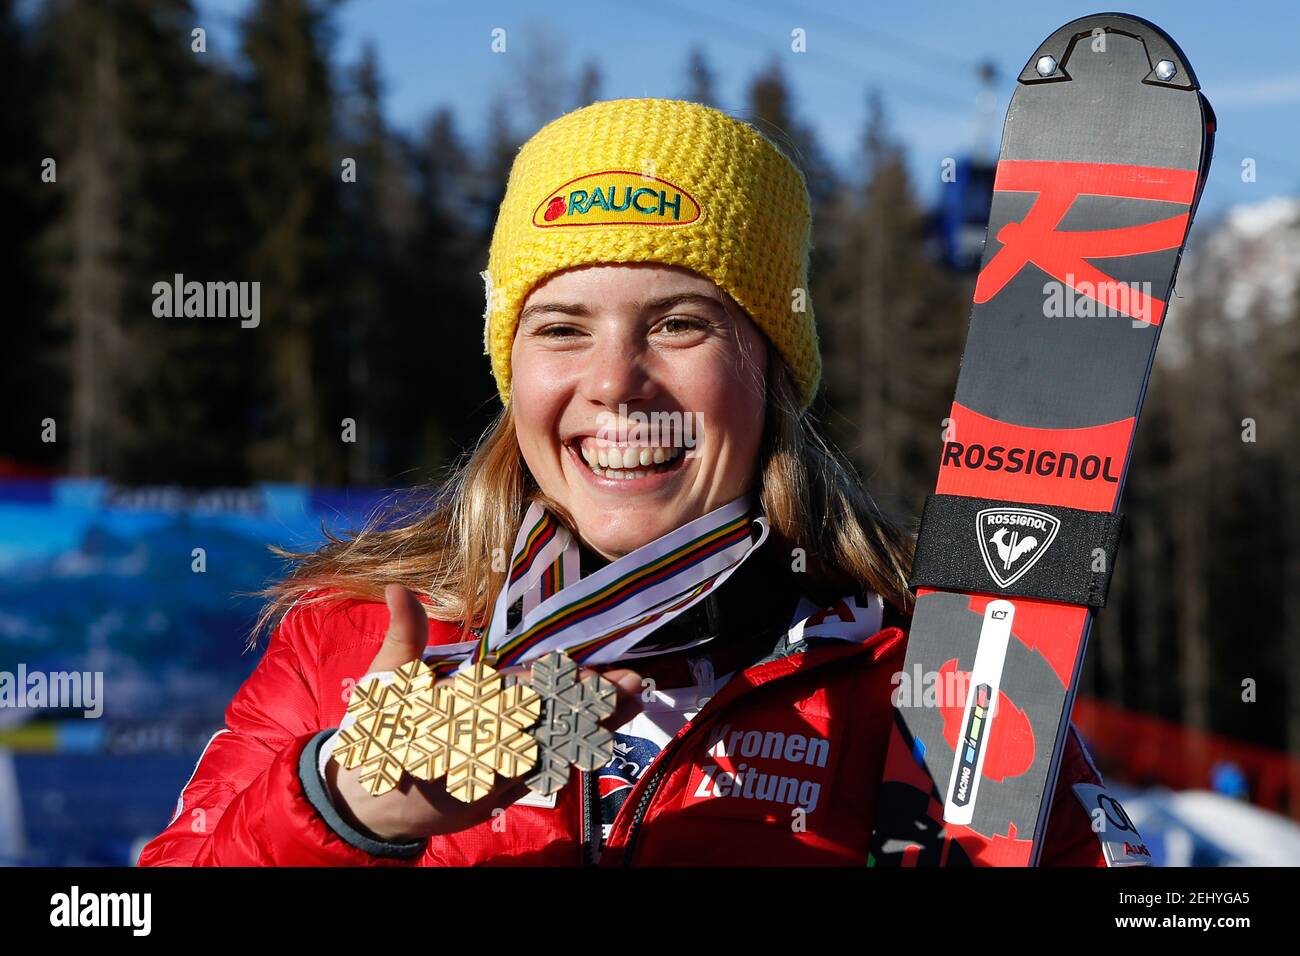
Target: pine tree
[541, 75]
[893, 323]
[458, 196]
[185, 380]
[771, 110]
[82, 248]
[589, 82]
[700, 79]
[379, 209]
[291, 185]
[33, 383]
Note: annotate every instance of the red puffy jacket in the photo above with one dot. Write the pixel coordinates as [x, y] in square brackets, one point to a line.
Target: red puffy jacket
[255, 797]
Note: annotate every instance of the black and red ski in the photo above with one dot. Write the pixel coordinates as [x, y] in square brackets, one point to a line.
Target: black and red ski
[1105, 150]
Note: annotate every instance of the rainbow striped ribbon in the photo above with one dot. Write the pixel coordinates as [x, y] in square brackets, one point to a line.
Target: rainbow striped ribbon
[598, 619]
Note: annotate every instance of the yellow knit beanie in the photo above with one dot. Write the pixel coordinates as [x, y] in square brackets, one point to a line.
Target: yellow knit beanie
[650, 180]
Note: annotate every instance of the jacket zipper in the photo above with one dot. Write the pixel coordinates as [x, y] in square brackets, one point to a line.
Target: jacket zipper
[652, 785]
[591, 837]
[641, 808]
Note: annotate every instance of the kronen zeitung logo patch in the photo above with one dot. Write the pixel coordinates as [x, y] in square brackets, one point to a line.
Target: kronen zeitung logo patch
[617, 197]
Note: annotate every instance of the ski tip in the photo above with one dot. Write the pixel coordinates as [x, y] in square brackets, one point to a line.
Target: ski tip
[1168, 65]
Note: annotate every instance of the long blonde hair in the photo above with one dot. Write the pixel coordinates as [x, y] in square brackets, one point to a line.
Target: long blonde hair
[441, 541]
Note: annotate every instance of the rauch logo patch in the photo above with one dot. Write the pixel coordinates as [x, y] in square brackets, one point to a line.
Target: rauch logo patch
[616, 197]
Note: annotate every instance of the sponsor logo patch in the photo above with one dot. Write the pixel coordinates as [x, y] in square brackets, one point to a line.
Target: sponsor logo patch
[616, 197]
[776, 768]
[632, 757]
[1120, 841]
[1012, 540]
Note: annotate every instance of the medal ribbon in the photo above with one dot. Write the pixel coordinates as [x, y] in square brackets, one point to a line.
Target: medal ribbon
[597, 619]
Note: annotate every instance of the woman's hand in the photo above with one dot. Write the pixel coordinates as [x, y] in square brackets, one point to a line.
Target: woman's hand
[416, 809]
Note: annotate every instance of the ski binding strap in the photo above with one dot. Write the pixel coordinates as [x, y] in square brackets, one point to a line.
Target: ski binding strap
[1007, 548]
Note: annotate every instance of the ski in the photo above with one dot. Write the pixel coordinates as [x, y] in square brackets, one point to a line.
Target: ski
[1104, 154]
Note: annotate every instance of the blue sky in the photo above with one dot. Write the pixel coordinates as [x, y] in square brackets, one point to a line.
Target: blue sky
[919, 55]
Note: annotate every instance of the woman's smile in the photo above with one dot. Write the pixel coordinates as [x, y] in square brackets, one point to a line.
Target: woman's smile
[638, 397]
[627, 467]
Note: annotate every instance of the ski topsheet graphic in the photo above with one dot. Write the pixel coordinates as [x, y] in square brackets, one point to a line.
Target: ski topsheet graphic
[1104, 154]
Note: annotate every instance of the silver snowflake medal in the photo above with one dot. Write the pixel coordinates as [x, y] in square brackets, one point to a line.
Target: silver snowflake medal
[569, 733]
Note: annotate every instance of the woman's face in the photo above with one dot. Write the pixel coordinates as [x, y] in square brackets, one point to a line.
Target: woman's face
[638, 393]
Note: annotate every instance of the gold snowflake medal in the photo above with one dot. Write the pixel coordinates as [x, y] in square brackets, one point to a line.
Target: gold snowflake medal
[569, 733]
[383, 727]
[476, 728]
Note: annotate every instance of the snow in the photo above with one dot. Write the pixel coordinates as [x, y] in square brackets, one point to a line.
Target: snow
[1243, 269]
[1257, 220]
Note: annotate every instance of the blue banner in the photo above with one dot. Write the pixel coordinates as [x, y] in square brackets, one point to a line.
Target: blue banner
[125, 615]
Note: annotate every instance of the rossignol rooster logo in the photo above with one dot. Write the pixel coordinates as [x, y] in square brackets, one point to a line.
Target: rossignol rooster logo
[1012, 540]
[616, 197]
[1012, 550]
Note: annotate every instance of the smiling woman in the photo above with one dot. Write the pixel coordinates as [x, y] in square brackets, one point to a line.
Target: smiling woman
[598, 324]
[731, 577]
[589, 353]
